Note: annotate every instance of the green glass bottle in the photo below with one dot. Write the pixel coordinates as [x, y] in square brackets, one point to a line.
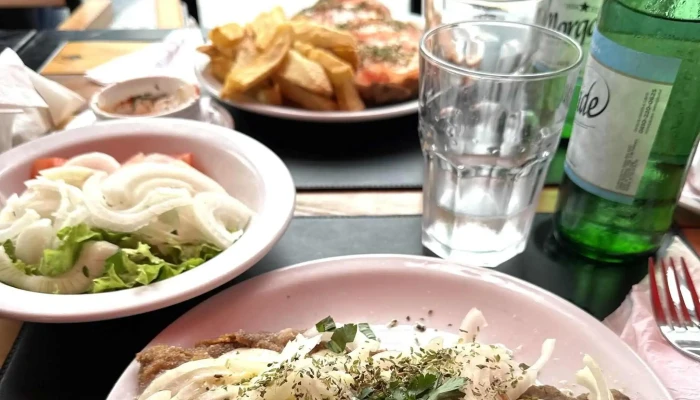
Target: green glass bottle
[636, 127]
[576, 19]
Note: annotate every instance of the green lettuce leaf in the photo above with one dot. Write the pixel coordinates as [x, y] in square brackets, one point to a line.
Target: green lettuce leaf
[135, 264]
[144, 264]
[57, 261]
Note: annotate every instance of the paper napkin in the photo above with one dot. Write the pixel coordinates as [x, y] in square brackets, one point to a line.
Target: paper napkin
[172, 57]
[37, 104]
[634, 323]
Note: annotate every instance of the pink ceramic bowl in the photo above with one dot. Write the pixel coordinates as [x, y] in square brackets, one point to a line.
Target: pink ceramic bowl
[245, 168]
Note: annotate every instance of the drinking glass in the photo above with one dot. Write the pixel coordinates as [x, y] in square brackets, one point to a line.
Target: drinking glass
[440, 12]
[493, 100]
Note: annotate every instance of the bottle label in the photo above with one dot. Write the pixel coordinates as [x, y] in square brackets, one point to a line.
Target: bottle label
[574, 18]
[620, 107]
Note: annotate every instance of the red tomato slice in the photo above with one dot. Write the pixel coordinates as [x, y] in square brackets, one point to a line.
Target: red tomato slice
[187, 158]
[46, 163]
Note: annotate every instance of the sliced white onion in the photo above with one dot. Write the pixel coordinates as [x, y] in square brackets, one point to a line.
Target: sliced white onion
[220, 218]
[591, 377]
[18, 225]
[72, 175]
[174, 376]
[9, 213]
[156, 203]
[90, 264]
[77, 216]
[141, 190]
[471, 325]
[131, 176]
[162, 395]
[97, 161]
[33, 240]
[159, 233]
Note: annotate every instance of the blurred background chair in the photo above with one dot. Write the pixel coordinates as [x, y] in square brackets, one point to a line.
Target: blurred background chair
[96, 14]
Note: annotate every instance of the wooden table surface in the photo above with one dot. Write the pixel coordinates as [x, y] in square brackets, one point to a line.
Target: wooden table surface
[309, 203]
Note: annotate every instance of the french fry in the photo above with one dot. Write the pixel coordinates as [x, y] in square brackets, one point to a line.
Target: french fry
[304, 98]
[226, 37]
[349, 54]
[220, 67]
[302, 72]
[269, 94]
[341, 43]
[209, 50]
[328, 60]
[243, 77]
[246, 52]
[264, 26]
[340, 74]
[347, 96]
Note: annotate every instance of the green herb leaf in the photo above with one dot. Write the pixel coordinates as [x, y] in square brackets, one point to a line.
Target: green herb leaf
[341, 337]
[422, 383]
[325, 325]
[367, 331]
[401, 394]
[448, 390]
[364, 393]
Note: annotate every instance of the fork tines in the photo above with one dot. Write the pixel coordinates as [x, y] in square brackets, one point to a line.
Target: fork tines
[681, 306]
[678, 315]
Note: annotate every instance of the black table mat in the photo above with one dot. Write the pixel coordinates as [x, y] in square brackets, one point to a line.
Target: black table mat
[15, 39]
[368, 155]
[82, 361]
[42, 46]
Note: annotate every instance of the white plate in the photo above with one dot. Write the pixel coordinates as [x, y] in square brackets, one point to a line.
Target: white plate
[379, 288]
[244, 167]
[210, 85]
[212, 112]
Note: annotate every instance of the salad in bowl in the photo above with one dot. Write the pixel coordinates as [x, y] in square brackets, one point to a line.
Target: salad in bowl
[90, 224]
[129, 216]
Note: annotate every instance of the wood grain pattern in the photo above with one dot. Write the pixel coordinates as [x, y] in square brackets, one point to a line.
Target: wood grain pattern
[91, 14]
[77, 57]
[169, 14]
[31, 3]
[382, 202]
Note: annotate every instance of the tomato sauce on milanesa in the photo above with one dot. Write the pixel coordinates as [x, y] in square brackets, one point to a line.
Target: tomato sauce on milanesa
[388, 70]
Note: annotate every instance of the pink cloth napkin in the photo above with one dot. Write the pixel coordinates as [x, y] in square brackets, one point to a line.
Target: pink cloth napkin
[634, 323]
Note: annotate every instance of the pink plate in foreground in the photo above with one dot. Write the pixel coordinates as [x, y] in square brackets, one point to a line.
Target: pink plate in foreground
[379, 288]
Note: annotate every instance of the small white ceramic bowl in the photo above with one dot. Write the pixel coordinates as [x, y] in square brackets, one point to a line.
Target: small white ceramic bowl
[112, 95]
[248, 170]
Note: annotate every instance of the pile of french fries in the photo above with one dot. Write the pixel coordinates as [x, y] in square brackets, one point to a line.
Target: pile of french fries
[274, 60]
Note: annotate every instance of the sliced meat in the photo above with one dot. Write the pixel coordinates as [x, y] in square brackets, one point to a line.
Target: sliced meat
[389, 61]
[547, 392]
[339, 13]
[617, 395]
[388, 71]
[262, 340]
[159, 358]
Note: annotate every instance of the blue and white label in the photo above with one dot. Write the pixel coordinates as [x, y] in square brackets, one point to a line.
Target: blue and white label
[622, 102]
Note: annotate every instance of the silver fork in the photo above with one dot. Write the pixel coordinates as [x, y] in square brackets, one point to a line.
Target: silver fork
[678, 314]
